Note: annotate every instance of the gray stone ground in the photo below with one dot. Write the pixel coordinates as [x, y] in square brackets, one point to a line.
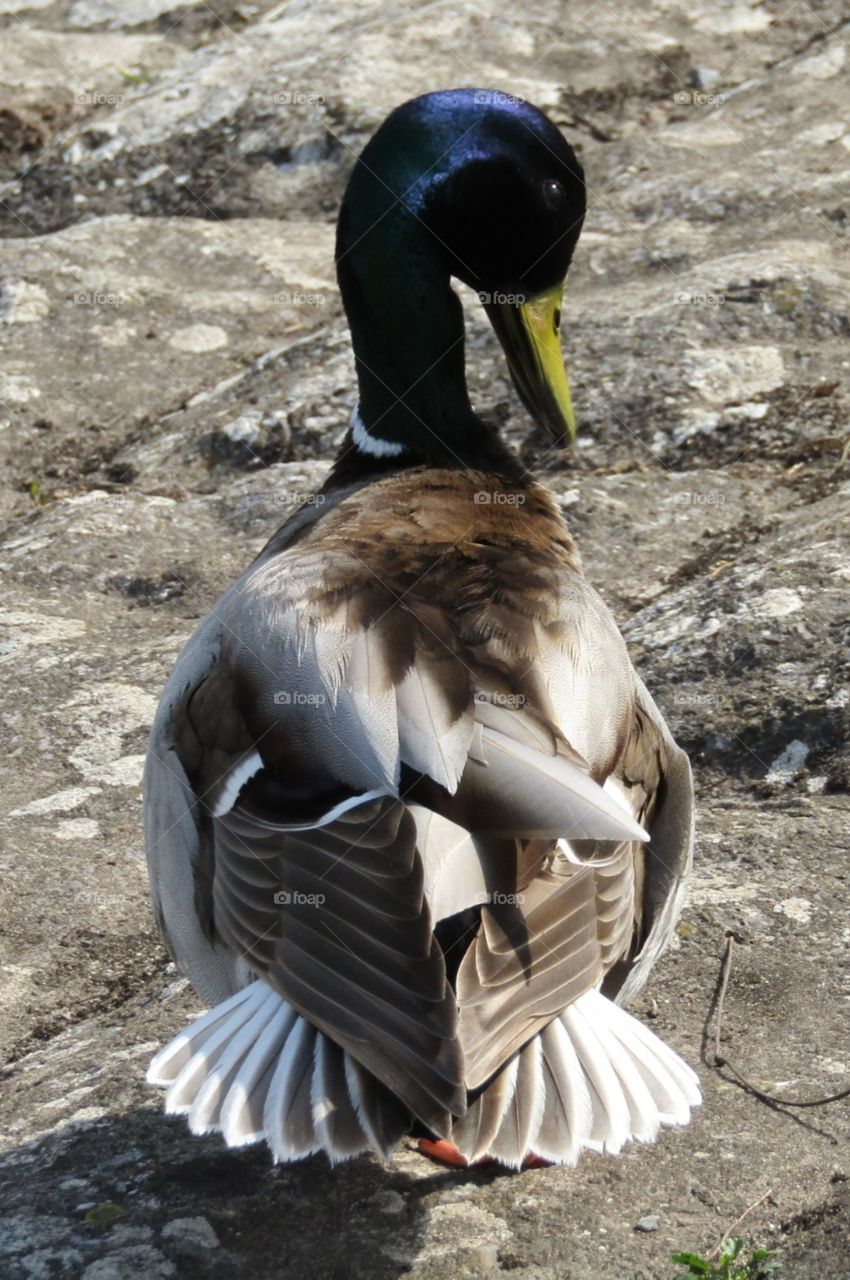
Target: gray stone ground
[175, 376]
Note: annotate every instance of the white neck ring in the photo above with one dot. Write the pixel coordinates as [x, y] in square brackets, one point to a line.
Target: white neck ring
[371, 444]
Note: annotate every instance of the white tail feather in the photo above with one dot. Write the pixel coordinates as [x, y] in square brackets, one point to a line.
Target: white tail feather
[242, 1109]
[610, 1111]
[606, 1080]
[288, 1112]
[204, 1116]
[189, 1080]
[333, 1110]
[568, 1109]
[255, 1070]
[169, 1062]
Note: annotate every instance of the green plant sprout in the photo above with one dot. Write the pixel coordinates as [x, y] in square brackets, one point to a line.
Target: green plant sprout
[37, 493]
[731, 1264]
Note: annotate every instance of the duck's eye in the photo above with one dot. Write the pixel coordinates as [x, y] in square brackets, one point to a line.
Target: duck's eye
[554, 194]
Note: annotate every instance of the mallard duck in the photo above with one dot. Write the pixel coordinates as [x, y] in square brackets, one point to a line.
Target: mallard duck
[416, 830]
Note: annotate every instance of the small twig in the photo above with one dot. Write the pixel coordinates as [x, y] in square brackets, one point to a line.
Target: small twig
[716, 1250]
[721, 1061]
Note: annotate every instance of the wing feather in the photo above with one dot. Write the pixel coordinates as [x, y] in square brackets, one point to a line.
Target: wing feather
[344, 934]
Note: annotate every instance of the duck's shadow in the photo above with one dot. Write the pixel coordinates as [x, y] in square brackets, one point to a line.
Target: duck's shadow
[117, 1182]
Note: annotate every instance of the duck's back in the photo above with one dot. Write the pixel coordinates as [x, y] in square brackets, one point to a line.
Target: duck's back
[448, 567]
[418, 764]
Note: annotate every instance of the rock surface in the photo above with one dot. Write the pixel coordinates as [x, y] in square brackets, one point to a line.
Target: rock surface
[175, 378]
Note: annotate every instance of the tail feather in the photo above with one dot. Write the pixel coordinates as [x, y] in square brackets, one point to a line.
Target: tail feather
[609, 1127]
[524, 1112]
[644, 1118]
[211, 1043]
[288, 1111]
[334, 1116]
[594, 1079]
[383, 1118]
[568, 1110]
[254, 1069]
[243, 1107]
[171, 1060]
[477, 1130]
[205, 1115]
[672, 1083]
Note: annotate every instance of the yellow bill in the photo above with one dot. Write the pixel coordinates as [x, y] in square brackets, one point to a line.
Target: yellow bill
[530, 338]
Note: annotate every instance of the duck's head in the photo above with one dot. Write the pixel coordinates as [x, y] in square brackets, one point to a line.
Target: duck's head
[471, 184]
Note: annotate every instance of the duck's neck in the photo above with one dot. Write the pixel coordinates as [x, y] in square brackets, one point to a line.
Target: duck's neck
[407, 331]
[408, 337]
